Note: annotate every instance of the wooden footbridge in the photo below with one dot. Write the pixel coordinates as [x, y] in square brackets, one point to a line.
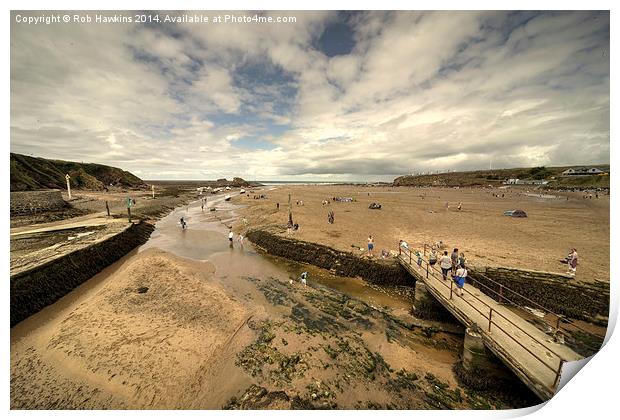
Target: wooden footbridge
[529, 352]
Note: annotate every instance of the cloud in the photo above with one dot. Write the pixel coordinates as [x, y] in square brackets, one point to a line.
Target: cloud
[417, 91]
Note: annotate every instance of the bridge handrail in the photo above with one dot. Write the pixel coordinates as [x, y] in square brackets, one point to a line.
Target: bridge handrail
[559, 318]
[489, 317]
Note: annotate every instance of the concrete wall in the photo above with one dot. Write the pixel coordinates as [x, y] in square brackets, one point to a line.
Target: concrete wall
[30, 202]
[558, 293]
[40, 286]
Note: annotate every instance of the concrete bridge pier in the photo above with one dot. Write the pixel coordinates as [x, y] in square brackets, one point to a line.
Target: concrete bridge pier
[479, 367]
[425, 306]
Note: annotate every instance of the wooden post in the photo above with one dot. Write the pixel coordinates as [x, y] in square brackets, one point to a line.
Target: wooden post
[450, 290]
[107, 208]
[557, 324]
[425, 250]
[290, 211]
[153, 190]
[426, 269]
[558, 374]
[129, 208]
[67, 177]
[490, 316]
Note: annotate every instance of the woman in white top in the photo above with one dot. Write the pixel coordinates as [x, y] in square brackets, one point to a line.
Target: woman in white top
[445, 262]
[459, 279]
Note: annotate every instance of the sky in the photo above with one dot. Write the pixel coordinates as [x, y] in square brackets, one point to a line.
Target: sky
[360, 96]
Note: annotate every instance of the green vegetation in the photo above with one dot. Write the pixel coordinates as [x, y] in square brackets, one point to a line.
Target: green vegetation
[33, 173]
[497, 176]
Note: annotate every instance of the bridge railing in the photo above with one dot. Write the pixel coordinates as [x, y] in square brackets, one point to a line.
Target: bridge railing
[413, 262]
[501, 296]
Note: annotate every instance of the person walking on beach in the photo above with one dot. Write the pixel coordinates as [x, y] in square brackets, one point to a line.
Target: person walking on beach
[183, 223]
[371, 244]
[447, 206]
[230, 237]
[459, 279]
[277, 206]
[432, 258]
[454, 257]
[241, 239]
[572, 262]
[459, 206]
[445, 263]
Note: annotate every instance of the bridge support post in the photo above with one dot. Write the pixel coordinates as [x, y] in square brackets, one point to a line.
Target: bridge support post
[480, 368]
[425, 306]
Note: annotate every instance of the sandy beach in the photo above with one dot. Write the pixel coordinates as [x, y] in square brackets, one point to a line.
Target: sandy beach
[187, 322]
[418, 215]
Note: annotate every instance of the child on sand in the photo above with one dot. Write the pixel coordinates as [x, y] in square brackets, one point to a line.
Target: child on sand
[371, 244]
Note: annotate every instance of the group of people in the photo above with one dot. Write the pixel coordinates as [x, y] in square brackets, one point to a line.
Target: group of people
[453, 264]
[231, 238]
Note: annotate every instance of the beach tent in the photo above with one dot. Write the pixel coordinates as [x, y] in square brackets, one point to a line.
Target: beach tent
[515, 213]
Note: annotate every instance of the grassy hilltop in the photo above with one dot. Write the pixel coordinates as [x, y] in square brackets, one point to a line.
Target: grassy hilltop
[497, 176]
[33, 173]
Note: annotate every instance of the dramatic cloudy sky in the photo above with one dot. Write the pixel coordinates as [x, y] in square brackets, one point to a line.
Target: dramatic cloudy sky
[333, 96]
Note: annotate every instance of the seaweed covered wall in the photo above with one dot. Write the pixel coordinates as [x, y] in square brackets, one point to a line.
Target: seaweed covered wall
[30, 202]
[34, 289]
[557, 293]
[343, 263]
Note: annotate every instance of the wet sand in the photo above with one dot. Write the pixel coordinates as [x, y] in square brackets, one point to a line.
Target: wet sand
[480, 230]
[223, 327]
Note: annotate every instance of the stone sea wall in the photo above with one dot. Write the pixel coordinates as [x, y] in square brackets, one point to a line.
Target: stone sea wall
[31, 202]
[38, 287]
[556, 292]
[340, 262]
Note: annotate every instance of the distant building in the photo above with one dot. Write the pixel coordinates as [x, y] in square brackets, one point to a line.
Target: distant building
[516, 181]
[582, 171]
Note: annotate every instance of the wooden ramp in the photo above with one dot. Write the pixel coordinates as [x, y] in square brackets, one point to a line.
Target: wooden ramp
[530, 353]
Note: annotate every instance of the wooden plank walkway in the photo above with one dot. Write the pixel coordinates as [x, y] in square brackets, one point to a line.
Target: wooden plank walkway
[530, 353]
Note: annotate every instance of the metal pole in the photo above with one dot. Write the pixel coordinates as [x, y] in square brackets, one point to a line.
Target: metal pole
[153, 190]
[490, 316]
[450, 290]
[107, 208]
[129, 214]
[426, 269]
[501, 293]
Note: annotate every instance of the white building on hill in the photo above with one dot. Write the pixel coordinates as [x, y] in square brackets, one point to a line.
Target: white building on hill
[582, 171]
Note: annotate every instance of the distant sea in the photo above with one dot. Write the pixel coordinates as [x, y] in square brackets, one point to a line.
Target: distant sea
[311, 182]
